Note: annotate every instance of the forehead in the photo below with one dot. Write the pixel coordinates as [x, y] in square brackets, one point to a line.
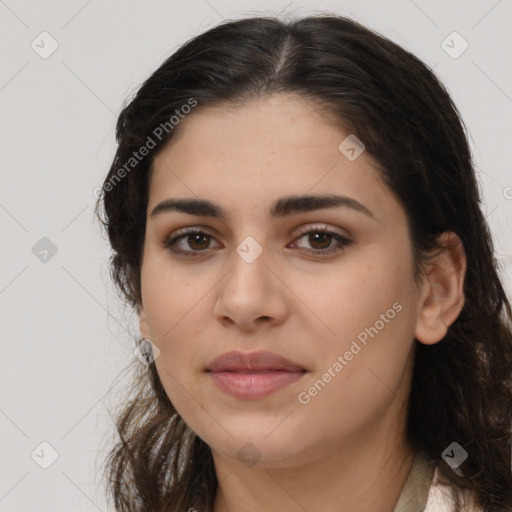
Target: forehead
[280, 145]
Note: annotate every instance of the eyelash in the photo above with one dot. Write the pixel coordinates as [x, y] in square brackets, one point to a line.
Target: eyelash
[171, 241]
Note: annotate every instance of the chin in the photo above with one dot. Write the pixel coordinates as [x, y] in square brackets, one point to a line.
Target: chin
[260, 453]
[260, 445]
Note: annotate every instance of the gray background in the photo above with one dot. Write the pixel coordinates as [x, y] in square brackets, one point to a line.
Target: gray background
[65, 335]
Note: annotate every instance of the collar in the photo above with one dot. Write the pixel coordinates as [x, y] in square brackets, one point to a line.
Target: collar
[413, 497]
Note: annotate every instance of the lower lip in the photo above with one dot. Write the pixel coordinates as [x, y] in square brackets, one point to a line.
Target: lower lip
[253, 385]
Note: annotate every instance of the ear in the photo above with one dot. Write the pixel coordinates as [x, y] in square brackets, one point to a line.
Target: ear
[442, 297]
[143, 323]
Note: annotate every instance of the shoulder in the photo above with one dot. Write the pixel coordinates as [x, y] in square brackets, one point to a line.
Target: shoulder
[441, 498]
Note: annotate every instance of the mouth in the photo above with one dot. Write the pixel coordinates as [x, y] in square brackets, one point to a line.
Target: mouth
[252, 376]
[252, 362]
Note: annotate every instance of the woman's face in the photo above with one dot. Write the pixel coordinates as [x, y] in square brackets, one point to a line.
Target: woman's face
[257, 280]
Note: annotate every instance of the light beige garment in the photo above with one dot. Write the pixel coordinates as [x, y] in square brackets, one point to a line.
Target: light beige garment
[422, 491]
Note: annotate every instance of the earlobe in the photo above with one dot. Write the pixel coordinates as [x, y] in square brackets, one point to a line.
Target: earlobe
[143, 323]
[442, 295]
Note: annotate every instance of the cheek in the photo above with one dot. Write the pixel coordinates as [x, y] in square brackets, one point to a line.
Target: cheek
[170, 299]
[361, 369]
[172, 306]
[354, 297]
[371, 317]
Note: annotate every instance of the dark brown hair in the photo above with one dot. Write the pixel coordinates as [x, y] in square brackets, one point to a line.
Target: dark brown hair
[461, 390]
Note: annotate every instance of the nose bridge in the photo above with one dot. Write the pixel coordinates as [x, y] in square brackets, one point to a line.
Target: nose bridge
[249, 290]
[249, 265]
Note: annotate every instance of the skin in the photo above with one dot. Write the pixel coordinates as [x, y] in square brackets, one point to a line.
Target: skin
[346, 448]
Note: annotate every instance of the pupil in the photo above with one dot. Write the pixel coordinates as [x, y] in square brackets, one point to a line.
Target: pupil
[199, 236]
[314, 239]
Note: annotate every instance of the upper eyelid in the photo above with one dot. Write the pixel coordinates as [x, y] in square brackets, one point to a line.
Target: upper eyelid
[211, 232]
[181, 234]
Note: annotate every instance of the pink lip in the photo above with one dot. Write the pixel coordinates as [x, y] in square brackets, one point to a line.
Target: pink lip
[253, 375]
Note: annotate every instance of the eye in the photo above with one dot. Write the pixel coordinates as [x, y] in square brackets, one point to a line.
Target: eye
[320, 238]
[198, 239]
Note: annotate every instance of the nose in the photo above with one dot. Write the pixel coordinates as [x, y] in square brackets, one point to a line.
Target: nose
[252, 293]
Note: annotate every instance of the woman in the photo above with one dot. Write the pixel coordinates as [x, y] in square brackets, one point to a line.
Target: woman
[294, 214]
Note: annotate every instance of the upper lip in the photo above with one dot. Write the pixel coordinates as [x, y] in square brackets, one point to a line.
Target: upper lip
[253, 361]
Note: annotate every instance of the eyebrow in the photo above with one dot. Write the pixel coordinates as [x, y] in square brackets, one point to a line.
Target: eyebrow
[282, 207]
